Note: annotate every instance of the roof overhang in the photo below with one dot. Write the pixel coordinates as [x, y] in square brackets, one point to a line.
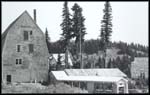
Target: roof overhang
[62, 76]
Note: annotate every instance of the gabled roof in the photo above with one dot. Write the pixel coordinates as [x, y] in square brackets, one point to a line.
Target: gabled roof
[4, 35]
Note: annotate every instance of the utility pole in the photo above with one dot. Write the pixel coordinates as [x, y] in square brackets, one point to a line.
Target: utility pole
[66, 55]
[80, 51]
[30, 72]
[81, 65]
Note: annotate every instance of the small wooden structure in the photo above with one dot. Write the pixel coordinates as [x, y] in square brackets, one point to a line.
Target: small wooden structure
[93, 78]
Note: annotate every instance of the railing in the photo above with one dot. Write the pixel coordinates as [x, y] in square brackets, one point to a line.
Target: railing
[138, 91]
[103, 91]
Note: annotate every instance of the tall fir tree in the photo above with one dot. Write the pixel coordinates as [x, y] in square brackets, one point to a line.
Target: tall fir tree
[109, 63]
[78, 24]
[47, 39]
[58, 65]
[106, 29]
[78, 29]
[67, 30]
[66, 25]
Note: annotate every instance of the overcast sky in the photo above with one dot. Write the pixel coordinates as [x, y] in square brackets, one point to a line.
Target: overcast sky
[130, 19]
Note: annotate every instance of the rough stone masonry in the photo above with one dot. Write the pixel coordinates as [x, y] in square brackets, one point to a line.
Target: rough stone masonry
[24, 51]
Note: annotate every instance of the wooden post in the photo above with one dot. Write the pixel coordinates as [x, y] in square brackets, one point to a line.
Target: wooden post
[90, 87]
[72, 84]
[115, 87]
[126, 87]
[66, 58]
[79, 85]
[81, 64]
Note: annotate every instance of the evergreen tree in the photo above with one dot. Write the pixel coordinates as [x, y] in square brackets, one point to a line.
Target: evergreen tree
[58, 66]
[66, 25]
[99, 63]
[103, 62]
[58, 60]
[106, 28]
[118, 62]
[78, 25]
[78, 29]
[47, 40]
[114, 64]
[66, 28]
[109, 63]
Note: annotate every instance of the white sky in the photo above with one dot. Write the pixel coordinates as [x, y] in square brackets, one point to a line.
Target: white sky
[130, 19]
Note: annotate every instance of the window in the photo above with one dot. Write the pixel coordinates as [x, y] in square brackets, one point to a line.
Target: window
[30, 48]
[26, 35]
[18, 48]
[121, 89]
[8, 78]
[18, 61]
[31, 32]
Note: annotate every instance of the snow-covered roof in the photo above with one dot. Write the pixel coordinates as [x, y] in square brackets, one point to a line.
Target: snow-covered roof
[114, 75]
[55, 55]
[108, 72]
[61, 76]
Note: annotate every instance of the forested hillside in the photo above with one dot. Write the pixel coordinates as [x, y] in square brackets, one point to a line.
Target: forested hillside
[93, 46]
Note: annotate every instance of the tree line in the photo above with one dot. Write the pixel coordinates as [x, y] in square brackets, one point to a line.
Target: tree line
[73, 28]
[93, 46]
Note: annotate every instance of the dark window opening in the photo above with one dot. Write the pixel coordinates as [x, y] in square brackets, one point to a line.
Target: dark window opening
[18, 48]
[20, 61]
[26, 35]
[17, 61]
[31, 48]
[31, 32]
[8, 78]
[121, 89]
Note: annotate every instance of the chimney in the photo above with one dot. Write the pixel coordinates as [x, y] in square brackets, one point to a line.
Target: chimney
[34, 13]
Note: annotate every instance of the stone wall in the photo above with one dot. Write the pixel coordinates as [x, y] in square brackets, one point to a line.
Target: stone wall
[34, 65]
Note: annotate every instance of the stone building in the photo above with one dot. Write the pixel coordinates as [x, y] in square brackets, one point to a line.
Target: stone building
[24, 51]
[139, 67]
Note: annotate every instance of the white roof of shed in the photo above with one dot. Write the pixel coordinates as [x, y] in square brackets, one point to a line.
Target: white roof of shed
[107, 72]
[61, 76]
[90, 75]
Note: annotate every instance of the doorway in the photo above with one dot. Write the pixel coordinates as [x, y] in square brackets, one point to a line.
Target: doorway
[121, 90]
[8, 78]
